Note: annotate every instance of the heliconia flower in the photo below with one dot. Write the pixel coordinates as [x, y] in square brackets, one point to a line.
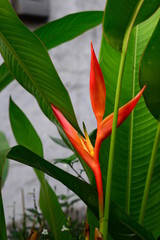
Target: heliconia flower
[83, 145]
[85, 150]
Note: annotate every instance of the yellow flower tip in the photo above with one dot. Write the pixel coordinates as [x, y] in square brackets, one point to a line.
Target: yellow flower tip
[92, 153]
[88, 143]
[83, 143]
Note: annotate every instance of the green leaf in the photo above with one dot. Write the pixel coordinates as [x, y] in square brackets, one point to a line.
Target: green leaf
[126, 227]
[117, 16]
[25, 156]
[60, 142]
[29, 62]
[69, 160]
[52, 34]
[23, 130]
[48, 201]
[121, 226]
[4, 163]
[66, 28]
[150, 73]
[88, 195]
[26, 135]
[5, 76]
[143, 126]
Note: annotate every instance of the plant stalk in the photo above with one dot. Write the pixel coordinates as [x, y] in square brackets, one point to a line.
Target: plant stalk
[149, 175]
[3, 229]
[98, 177]
[114, 126]
[129, 169]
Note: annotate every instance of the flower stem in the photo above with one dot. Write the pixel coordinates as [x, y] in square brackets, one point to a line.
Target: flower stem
[2, 215]
[98, 177]
[114, 126]
[149, 175]
[129, 169]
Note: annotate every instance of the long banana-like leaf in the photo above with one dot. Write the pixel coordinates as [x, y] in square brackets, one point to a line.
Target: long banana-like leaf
[25, 156]
[52, 34]
[136, 135]
[65, 29]
[117, 16]
[150, 73]
[28, 61]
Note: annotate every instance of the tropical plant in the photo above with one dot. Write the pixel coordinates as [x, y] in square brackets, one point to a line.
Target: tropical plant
[124, 169]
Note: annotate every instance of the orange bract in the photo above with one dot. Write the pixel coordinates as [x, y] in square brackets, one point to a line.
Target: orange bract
[97, 88]
[105, 127]
[82, 145]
